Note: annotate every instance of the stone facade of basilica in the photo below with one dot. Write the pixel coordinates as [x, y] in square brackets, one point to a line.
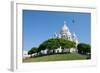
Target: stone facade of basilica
[65, 33]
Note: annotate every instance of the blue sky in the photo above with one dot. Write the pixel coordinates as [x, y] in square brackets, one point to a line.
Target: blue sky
[41, 25]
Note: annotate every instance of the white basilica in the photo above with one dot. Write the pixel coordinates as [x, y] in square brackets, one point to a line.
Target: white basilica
[65, 33]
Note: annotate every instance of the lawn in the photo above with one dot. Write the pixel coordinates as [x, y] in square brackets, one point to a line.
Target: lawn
[56, 57]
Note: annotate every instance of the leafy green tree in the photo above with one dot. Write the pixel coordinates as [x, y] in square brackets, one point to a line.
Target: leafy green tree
[66, 44]
[84, 48]
[50, 44]
[54, 43]
[32, 50]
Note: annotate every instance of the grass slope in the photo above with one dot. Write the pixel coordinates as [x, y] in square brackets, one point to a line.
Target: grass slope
[56, 57]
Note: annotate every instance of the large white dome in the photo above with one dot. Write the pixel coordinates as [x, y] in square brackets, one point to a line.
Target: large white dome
[64, 28]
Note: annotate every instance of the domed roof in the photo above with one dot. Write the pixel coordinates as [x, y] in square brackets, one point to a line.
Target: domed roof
[68, 33]
[74, 35]
[64, 28]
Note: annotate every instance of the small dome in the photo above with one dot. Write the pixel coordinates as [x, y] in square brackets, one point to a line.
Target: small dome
[74, 35]
[69, 33]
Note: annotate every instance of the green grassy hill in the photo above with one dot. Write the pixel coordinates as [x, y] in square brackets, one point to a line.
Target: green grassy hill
[56, 57]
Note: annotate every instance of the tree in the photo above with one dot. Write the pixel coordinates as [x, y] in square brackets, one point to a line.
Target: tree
[50, 44]
[84, 48]
[32, 50]
[66, 44]
[54, 43]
